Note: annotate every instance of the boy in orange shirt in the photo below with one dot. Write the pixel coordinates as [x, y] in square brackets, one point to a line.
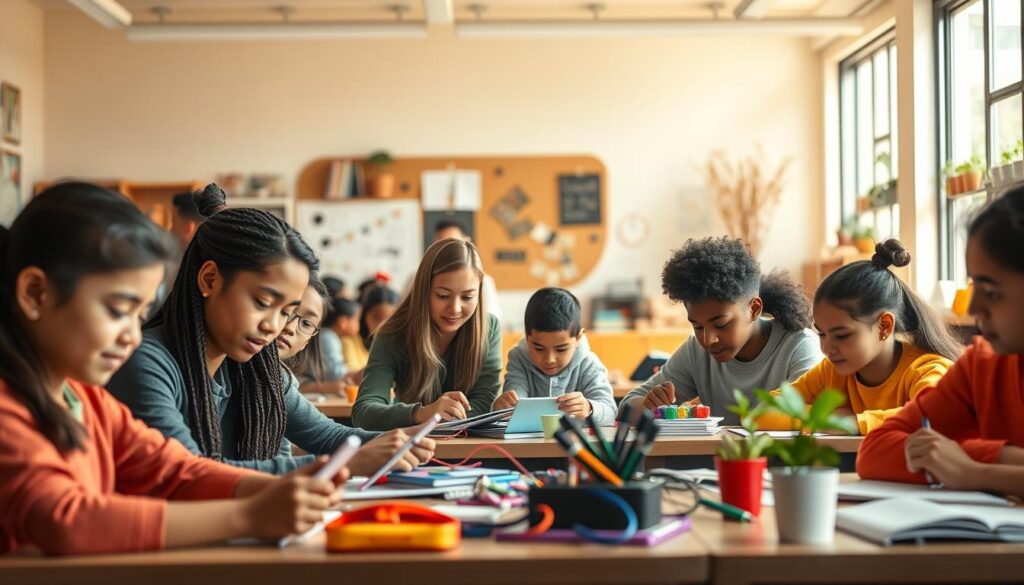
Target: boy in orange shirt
[976, 441]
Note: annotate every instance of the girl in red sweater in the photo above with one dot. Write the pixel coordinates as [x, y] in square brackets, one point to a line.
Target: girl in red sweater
[976, 440]
[78, 474]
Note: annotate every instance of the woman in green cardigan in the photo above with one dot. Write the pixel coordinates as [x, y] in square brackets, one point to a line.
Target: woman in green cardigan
[439, 352]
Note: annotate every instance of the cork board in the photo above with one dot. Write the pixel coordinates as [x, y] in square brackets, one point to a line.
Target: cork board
[541, 220]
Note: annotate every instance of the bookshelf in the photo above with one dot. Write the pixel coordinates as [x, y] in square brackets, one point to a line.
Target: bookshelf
[153, 198]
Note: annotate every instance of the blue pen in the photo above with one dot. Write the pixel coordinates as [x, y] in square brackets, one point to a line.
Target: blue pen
[927, 424]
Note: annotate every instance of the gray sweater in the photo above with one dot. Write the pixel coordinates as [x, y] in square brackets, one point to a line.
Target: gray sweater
[585, 373]
[786, 356]
[151, 384]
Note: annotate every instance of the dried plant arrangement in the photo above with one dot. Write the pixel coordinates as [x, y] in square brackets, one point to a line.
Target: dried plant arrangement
[746, 193]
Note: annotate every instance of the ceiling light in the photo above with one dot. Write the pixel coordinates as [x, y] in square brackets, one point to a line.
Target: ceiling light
[627, 28]
[281, 31]
[106, 12]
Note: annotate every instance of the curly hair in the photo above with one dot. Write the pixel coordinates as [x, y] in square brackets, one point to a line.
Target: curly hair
[723, 269]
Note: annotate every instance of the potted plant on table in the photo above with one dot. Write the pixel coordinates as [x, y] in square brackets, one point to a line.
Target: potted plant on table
[864, 239]
[740, 461]
[382, 183]
[805, 486]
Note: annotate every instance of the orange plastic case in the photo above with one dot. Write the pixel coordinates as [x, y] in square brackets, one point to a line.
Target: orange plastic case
[393, 526]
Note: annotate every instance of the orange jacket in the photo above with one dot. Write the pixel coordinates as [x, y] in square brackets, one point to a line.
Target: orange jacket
[979, 404]
[109, 497]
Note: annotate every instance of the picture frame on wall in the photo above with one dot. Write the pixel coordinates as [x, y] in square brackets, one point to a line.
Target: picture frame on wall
[10, 112]
[10, 186]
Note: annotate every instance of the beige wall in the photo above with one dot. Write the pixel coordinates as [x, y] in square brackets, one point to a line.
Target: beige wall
[21, 63]
[651, 109]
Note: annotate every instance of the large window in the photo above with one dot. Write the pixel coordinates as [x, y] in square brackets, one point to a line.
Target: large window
[981, 114]
[867, 106]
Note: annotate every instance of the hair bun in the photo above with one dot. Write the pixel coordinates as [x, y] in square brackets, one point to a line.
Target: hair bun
[210, 200]
[890, 253]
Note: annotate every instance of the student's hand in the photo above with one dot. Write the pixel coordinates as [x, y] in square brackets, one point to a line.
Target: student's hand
[508, 399]
[574, 404]
[377, 451]
[291, 504]
[661, 395]
[451, 405]
[929, 450]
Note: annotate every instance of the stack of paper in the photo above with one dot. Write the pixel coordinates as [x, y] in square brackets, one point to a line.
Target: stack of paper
[456, 426]
[688, 427]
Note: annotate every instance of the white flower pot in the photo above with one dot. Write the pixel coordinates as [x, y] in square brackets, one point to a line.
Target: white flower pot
[805, 503]
[1018, 171]
[998, 175]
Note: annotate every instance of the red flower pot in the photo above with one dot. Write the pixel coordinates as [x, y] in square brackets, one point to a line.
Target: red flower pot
[740, 482]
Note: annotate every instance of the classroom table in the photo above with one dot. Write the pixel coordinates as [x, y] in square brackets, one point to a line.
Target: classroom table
[476, 562]
[745, 554]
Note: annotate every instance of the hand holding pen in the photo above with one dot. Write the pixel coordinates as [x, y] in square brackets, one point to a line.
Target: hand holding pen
[943, 460]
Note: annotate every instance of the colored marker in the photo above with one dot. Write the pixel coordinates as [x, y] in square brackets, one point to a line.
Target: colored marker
[593, 464]
[571, 425]
[608, 451]
[642, 446]
[729, 511]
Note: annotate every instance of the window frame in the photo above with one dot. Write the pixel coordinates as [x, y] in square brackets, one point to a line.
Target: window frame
[944, 12]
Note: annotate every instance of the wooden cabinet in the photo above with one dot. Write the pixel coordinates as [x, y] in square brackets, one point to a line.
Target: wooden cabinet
[154, 199]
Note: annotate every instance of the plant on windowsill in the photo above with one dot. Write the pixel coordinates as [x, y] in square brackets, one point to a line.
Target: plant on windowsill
[805, 486]
[864, 239]
[970, 173]
[382, 183]
[740, 461]
[1011, 169]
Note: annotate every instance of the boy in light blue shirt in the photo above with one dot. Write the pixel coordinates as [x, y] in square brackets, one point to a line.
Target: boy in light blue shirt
[554, 359]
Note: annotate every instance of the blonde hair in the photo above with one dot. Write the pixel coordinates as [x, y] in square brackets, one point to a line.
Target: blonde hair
[417, 334]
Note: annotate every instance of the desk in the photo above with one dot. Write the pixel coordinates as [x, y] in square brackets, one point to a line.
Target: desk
[477, 561]
[743, 554]
[335, 407]
[664, 448]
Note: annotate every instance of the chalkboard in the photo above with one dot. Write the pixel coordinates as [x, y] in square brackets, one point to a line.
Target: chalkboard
[579, 199]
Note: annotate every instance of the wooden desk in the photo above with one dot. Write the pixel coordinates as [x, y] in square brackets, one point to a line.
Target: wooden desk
[550, 449]
[476, 562]
[335, 407]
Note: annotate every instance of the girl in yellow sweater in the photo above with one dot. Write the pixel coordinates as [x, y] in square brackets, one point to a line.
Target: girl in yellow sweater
[882, 343]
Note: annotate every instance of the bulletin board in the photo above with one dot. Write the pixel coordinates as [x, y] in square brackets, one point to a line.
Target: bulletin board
[540, 220]
[357, 239]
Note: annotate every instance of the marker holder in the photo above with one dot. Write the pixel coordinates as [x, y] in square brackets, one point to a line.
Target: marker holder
[574, 505]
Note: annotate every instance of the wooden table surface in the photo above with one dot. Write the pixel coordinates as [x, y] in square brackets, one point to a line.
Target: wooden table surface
[744, 554]
[476, 562]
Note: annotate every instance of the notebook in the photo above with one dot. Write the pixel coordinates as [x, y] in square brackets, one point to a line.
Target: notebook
[456, 426]
[688, 427]
[652, 536]
[866, 490]
[398, 491]
[898, 520]
[442, 476]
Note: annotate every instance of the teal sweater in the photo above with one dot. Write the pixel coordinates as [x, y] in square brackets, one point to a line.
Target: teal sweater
[388, 367]
[152, 385]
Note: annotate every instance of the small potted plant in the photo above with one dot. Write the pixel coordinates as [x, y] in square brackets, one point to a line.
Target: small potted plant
[844, 235]
[864, 239]
[970, 172]
[1018, 162]
[740, 461]
[382, 183]
[806, 485]
[952, 180]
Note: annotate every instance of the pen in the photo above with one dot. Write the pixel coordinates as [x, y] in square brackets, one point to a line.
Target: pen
[571, 425]
[927, 424]
[608, 451]
[593, 464]
[729, 511]
[641, 447]
[623, 430]
[412, 442]
[338, 459]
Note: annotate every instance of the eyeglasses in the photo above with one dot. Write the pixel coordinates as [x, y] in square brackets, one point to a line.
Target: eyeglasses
[307, 326]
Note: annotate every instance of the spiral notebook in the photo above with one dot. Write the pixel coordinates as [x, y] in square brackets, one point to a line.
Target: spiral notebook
[898, 520]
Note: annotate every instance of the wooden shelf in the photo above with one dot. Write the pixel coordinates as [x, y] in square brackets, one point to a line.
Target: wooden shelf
[153, 198]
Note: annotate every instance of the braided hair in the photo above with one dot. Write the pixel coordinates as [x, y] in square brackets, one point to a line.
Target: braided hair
[236, 240]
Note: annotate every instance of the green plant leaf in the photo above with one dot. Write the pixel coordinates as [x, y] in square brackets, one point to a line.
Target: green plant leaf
[823, 407]
[759, 444]
[843, 424]
[791, 402]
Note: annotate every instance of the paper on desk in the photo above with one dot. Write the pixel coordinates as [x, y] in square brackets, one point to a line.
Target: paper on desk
[864, 490]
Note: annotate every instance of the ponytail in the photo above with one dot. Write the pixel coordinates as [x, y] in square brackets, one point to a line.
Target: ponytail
[868, 288]
[785, 301]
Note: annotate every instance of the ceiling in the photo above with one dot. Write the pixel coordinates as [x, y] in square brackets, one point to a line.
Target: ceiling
[218, 11]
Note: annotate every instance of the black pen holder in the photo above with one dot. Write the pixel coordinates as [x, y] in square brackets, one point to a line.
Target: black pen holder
[579, 505]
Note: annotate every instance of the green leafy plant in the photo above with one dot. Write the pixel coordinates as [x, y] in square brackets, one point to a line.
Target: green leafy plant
[948, 169]
[1007, 156]
[380, 159]
[804, 450]
[865, 233]
[970, 165]
[753, 445]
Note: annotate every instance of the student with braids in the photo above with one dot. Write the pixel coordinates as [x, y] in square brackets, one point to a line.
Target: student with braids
[79, 474]
[733, 345]
[440, 352]
[883, 344]
[976, 439]
[208, 372]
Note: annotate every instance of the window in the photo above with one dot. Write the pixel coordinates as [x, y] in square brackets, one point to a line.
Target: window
[981, 113]
[867, 105]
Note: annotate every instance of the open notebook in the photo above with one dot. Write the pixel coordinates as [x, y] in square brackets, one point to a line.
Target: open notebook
[865, 490]
[911, 520]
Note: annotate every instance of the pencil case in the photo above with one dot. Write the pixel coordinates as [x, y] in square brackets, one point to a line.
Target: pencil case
[393, 526]
[573, 505]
